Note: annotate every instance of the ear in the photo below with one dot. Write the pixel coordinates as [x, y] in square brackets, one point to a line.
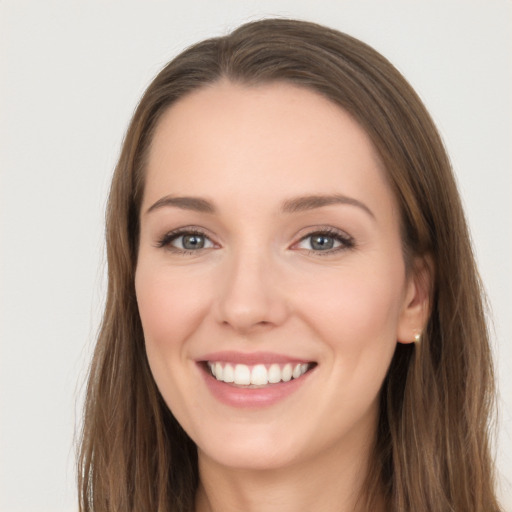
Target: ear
[417, 300]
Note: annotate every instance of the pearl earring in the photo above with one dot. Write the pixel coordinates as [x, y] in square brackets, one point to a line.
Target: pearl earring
[417, 337]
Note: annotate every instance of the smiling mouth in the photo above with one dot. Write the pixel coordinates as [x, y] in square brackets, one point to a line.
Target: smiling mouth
[258, 375]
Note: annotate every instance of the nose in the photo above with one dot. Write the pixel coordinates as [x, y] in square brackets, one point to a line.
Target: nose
[251, 297]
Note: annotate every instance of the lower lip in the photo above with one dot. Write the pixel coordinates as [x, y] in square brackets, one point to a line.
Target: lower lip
[234, 396]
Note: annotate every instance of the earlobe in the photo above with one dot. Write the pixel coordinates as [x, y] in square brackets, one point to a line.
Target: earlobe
[417, 302]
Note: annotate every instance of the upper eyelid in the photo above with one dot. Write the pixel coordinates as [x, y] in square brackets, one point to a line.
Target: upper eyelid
[187, 230]
[346, 240]
[173, 234]
[325, 230]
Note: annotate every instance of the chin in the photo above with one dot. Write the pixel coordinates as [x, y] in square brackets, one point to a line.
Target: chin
[249, 459]
[251, 450]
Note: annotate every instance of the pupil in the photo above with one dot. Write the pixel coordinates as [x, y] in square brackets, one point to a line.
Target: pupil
[193, 242]
[322, 242]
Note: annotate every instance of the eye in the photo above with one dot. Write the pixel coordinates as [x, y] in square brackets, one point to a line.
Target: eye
[185, 241]
[328, 241]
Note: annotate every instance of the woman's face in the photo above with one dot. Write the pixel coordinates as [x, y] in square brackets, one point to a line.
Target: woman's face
[270, 254]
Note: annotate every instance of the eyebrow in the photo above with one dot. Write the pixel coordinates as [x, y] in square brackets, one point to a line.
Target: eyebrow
[294, 205]
[304, 203]
[185, 203]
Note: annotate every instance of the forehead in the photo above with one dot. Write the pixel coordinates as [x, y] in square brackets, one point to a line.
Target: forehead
[260, 141]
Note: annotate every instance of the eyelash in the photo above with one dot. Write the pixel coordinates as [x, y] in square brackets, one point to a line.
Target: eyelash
[168, 238]
[346, 241]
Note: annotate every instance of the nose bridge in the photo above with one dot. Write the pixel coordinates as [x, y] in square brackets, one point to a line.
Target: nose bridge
[249, 293]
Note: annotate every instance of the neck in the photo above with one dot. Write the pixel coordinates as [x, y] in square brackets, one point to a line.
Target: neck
[334, 483]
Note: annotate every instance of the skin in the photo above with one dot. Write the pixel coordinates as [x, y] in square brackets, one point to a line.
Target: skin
[258, 285]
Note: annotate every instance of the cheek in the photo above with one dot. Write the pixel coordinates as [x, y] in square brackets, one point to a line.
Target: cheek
[357, 313]
[170, 306]
[357, 300]
[170, 310]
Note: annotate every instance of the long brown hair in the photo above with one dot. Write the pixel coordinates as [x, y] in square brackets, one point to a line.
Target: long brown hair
[432, 451]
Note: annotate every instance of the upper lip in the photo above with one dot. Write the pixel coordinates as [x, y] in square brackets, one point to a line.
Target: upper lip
[251, 358]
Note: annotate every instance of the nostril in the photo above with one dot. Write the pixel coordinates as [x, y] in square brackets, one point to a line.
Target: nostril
[250, 299]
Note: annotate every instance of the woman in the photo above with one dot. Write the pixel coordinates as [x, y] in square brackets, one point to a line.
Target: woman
[294, 318]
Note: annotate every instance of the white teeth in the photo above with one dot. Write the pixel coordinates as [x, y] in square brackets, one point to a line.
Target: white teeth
[274, 374]
[287, 372]
[242, 374]
[229, 374]
[218, 371]
[257, 375]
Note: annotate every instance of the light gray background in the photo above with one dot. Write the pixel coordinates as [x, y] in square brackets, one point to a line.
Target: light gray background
[70, 76]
